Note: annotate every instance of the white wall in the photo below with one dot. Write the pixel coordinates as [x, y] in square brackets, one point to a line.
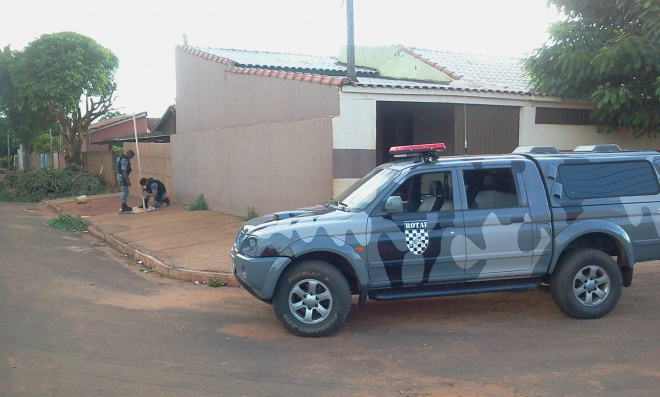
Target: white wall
[567, 137]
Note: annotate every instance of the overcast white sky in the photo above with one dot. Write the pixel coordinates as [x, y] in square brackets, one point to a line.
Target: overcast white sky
[143, 33]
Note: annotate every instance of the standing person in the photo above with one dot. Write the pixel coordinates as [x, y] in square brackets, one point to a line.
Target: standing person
[154, 188]
[123, 171]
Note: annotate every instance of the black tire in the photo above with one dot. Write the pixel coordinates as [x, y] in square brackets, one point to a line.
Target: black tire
[586, 284]
[312, 298]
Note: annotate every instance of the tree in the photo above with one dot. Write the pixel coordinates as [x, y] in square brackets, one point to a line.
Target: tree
[60, 72]
[111, 114]
[17, 118]
[608, 52]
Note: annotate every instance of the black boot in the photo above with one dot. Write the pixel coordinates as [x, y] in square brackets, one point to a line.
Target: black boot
[125, 208]
[167, 201]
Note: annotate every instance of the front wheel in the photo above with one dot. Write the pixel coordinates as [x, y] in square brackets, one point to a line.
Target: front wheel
[312, 298]
[586, 284]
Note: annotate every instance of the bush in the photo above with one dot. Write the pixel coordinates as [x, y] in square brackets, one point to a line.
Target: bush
[48, 184]
[198, 204]
[251, 214]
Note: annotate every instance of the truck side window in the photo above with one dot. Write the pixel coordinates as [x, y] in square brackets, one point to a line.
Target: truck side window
[491, 188]
[427, 192]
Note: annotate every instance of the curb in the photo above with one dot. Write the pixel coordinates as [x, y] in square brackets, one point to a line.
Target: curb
[154, 263]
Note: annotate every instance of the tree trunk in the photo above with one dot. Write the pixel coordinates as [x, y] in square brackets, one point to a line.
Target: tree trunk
[73, 144]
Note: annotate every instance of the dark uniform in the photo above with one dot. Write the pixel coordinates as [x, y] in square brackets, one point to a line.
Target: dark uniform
[154, 186]
[123, 171]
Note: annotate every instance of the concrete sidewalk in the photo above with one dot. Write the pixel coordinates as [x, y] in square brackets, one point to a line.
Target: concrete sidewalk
[175, 242]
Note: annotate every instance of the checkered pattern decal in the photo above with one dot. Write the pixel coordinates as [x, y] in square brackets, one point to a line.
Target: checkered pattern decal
[417, 237]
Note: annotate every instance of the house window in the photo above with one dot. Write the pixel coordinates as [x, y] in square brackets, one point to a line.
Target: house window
[563, 116]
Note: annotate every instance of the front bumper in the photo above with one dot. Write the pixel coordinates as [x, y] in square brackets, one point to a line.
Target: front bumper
[258, 275]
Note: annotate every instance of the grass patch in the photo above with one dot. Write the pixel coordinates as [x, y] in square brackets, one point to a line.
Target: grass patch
[69, 223]
[215, 283]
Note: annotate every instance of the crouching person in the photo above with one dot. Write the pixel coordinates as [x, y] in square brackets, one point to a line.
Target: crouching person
[152, 187]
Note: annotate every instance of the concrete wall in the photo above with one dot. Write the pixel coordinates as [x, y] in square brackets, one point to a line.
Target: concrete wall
[53, 160]
[246, 140]
[155, 161]
[102, 163]
[269, 167]
[210, 96]
[567, 137]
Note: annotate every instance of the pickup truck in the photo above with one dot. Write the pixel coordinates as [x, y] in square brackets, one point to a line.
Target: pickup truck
[425, 225]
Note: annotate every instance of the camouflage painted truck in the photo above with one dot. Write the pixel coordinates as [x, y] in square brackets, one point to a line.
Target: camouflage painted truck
[425, 225]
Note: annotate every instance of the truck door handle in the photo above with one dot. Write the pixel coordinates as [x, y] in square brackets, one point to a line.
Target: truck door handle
[513, 219]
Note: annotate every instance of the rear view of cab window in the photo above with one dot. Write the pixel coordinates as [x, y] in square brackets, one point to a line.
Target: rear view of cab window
[597, 180]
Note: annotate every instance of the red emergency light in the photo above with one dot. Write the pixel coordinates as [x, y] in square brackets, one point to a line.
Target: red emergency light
[415, 149]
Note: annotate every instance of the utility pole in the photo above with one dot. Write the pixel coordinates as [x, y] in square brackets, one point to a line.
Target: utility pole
[350, 46]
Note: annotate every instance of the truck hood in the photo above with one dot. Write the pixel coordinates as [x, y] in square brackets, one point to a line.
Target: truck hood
[317, 215]
[270, 235]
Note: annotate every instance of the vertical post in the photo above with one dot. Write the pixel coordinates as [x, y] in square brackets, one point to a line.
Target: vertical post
[350, 45]
[8, 151]
[465, 127]
[137, 153]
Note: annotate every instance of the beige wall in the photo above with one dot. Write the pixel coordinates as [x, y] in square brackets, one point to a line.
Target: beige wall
[567, 137]
[245, 140]
[270, 167]
[53, 160]
[155, 161]
[101, 163]
[209, 96]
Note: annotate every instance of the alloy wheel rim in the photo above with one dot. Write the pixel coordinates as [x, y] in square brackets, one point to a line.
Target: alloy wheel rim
[591, 285]
[310, 301]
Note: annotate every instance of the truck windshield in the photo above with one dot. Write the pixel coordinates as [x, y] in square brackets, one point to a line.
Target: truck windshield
[365, 191]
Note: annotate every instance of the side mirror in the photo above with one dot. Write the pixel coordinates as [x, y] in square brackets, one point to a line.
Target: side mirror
[394, 204]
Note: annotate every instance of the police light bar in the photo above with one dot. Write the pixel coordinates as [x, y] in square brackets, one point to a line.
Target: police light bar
[415, 149]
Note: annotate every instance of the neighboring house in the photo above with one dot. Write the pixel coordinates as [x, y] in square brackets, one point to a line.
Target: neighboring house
[120, 126]
[167, 123]
[274, 131]
[158, 130]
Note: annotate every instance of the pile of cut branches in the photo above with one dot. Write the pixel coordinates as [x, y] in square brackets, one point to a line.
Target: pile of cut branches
[48, 184]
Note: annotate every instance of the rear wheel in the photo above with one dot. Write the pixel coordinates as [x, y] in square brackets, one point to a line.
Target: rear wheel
[587, 284]
[312, 298]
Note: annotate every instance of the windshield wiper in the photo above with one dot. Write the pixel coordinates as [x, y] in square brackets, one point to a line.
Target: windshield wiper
[336, 203]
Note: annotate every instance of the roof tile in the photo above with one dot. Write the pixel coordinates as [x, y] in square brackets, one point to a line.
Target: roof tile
[470, 72]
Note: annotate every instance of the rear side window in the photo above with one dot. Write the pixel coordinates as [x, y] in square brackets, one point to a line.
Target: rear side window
[596, 180]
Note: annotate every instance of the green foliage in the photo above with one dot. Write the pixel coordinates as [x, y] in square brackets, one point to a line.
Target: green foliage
[111, 114]
[607, 52]
[23, 122]
[198, 204]
[41, 143]
[48, 184]
[116, 148]
[251, 214]
[53, 75]
[69, 223]
[215, 283]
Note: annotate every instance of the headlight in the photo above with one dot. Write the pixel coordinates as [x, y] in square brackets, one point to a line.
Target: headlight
[249, 246]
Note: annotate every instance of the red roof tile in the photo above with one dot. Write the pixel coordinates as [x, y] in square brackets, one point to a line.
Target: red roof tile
[311, 77]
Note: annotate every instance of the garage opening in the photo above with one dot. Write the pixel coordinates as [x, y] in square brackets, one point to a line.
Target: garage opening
[488, 128]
